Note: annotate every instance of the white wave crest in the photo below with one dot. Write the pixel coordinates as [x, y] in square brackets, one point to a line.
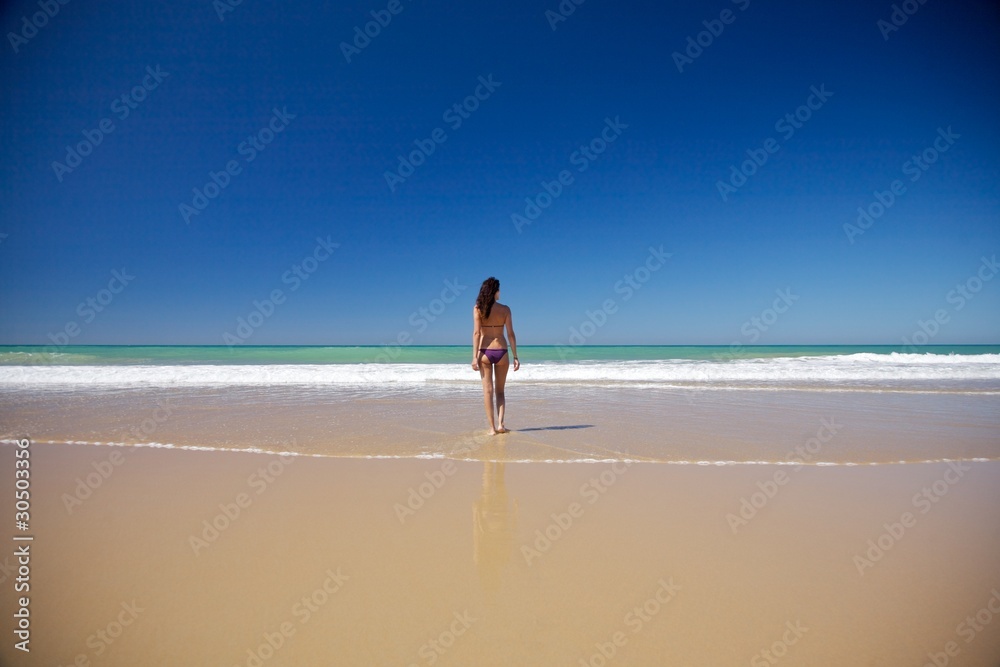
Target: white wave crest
[867, 369]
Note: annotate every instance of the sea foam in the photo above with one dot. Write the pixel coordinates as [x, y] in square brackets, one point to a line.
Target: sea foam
[862, 370]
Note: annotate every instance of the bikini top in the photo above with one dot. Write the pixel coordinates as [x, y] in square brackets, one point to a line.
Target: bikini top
[490, 326]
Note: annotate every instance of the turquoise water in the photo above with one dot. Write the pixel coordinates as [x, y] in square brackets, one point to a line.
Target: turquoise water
[430, 354]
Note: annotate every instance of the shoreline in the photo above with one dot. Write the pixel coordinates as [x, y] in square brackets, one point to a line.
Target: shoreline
[547, 425]
[489, 458]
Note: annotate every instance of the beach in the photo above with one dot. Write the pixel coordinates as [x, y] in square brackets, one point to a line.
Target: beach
[796, 520]
[733, 264]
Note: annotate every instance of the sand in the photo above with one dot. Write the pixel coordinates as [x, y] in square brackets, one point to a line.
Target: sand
[419, 562]
[551, 423]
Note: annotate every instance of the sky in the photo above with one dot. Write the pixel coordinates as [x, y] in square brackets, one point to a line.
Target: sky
[636, 172]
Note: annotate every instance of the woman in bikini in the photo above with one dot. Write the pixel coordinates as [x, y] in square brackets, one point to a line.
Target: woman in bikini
[489, 349]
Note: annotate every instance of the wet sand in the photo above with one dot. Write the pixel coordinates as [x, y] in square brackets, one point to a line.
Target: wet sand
[420, 562]
[550, 424]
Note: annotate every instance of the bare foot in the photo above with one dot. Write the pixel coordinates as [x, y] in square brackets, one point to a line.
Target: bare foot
[503, 429]
[493, 431]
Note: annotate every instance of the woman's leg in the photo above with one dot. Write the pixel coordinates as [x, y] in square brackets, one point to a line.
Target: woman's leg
[501, 379]
[486, 373]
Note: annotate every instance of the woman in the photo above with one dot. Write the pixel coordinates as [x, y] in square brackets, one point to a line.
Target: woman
[489, 348]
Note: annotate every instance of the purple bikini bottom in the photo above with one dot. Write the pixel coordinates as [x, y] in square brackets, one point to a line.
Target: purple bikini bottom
[493, 354]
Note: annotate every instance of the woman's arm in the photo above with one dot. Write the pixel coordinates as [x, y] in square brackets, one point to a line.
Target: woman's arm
[512, 338]
[477, 335]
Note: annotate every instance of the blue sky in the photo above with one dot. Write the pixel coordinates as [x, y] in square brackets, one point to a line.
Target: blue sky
[272, 83]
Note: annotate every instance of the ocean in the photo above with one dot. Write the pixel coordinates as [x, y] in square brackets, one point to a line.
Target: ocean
[439, 354]
[961, 368]
[674, 404]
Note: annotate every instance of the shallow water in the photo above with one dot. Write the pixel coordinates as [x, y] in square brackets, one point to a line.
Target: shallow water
[548, 424]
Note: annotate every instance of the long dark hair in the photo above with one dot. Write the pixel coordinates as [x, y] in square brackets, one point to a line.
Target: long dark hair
[487, 296]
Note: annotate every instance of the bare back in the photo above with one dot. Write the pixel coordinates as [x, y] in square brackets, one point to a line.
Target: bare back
[493, 326]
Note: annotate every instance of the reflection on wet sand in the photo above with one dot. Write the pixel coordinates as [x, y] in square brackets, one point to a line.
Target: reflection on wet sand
[494, 526]
[411, 587]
